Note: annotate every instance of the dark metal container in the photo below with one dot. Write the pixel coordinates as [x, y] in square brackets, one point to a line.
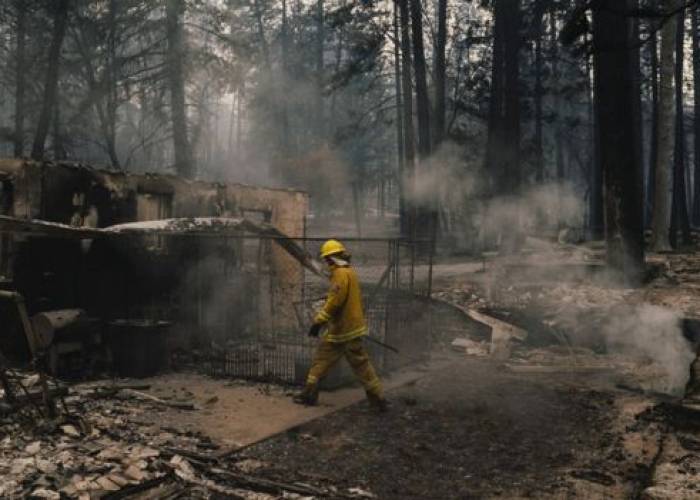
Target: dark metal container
[139, 347]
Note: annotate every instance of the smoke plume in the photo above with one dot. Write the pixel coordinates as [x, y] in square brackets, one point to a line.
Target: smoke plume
[654, 333]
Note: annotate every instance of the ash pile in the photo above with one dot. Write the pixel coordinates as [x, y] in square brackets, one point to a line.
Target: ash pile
[102, 440]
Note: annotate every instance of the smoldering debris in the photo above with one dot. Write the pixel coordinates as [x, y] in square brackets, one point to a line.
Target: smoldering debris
[611, 321]
[113, 449]
[655, 333]
[590, 326]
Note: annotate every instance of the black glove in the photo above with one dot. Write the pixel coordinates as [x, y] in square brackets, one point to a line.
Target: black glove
[315, 330]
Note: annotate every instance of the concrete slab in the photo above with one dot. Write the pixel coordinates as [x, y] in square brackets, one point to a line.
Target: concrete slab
[236, 414]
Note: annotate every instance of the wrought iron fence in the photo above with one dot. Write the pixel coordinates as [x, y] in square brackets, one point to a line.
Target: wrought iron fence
[282, 296]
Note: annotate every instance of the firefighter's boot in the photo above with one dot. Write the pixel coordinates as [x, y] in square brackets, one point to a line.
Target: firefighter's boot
[377, 403]
[307, 397]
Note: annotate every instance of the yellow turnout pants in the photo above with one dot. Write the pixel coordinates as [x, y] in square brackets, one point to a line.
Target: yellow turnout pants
[327, 355]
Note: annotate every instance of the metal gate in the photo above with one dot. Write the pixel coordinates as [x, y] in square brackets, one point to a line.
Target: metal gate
[396, 281]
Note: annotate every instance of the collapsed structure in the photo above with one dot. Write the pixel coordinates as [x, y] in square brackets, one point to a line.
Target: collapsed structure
[151, 278]
[117, 269]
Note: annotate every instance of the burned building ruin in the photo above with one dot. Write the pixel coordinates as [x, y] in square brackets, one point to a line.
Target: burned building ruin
[120, 269]
[200, 286]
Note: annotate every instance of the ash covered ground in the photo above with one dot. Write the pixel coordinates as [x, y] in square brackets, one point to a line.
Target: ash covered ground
[569, 414]
[565, 413]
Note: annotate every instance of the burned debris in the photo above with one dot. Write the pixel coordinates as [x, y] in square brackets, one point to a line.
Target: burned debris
[101, 445]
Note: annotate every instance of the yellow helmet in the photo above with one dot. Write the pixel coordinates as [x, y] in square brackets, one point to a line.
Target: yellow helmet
[332, 247]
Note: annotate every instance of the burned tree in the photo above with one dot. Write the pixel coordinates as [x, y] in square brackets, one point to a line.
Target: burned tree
[503, 148]
[426, 209]
[654, 128]
[184, 161]
[422, 99]
[661, 212]
[400, 140]
[696, 116]
[616, 92]
[49, 102]
[408, 219]
[679, 204]
[439, 69]
[20, 70]
[538, 22]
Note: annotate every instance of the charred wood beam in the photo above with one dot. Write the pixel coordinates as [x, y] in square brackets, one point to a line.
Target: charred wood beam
[264, 485]
[138, 488]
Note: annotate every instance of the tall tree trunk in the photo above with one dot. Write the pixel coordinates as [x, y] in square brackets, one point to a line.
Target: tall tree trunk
[400, 160]
[426, 214]
[422, 99]
[495, 139]
[339, 52]
[261, 34]
[696, 116]
[636, 74]
[503, 142]
[616, 91]
[511, 111]
[679, 204]
[539, 66]
[231, 125]
[184, 160]
[597, 209]
[60, 19]
[509, 171]
[596, 223]
[439, 75]
[240, 96]
[284, 111]
[112, 76]
[661, 216]
[408, 224]
[320, 39]
[557, 124]
[654, 129]
[57, 139]
[20, 70]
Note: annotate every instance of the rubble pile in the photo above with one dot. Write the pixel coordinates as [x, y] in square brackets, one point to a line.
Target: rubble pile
[466, 295]
[107, 443]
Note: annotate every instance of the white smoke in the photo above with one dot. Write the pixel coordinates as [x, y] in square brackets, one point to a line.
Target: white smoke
[654, 333]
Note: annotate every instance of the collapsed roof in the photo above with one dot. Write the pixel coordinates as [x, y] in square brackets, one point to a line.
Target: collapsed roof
[189, 226]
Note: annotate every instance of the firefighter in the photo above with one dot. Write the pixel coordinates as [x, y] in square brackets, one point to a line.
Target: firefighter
[344, 319]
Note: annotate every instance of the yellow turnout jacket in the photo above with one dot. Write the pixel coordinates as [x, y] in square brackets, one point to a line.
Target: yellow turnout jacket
[342, 310]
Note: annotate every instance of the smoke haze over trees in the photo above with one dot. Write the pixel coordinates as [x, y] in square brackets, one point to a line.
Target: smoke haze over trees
[370, 105]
